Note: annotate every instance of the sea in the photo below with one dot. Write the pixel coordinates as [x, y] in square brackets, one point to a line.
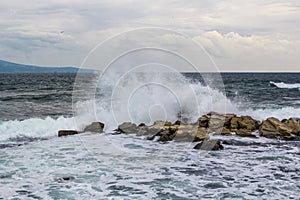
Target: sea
[36, 164]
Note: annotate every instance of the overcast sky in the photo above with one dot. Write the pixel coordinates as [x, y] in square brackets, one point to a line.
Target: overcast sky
[254, 35]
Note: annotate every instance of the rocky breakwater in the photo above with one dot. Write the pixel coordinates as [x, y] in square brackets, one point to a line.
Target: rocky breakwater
[95, 127]
[207, 125]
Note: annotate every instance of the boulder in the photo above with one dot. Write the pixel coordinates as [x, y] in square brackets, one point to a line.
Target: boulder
[127, 127]
[246, 122]
[67, 132]
[234, 125]
[216, 121]
[200, 137]
[273, 128]
[294, 125]
[209, 145]
[228, 118]
[243, 122]
[223, 131]
[203, 121]
[166, 136]
[185, 133]
[244, 133]
[95, 127]
[178, 122]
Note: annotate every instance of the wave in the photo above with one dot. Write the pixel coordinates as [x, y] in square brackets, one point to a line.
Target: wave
[279, 113]
[37, 128]
[286, 85]
[144, 98]
[34, 127]
[141, 99]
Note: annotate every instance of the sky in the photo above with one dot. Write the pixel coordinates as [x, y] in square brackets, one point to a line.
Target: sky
[254, 35]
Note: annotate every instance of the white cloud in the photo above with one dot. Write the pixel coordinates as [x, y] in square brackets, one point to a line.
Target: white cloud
[236, 33]
[234, 51]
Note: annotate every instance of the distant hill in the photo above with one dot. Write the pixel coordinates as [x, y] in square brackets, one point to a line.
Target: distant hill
[9, 67]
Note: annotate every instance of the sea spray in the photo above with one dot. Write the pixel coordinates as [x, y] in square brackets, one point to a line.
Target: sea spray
[149, 93]
[35, 127]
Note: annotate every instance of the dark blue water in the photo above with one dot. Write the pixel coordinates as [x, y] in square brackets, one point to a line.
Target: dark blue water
[36, 164]
[24, 96]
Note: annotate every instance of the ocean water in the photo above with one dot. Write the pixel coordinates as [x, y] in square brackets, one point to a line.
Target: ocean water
[36, 164]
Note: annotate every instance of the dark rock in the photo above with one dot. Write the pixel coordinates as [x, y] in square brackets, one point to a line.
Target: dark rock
[67, 132]
[166, 136]
[150, 137]
[178, 122]
[210, 145]
[141, 125]
[66, 178]
[95, 127]
[127, 127]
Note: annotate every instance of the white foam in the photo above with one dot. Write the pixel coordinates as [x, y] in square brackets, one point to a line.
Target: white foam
[144, 98]
[148, 97]
[35, 127]
[286, 85]
[280, 113]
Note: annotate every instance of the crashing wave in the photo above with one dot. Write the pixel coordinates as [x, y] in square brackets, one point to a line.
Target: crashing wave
[286, 85]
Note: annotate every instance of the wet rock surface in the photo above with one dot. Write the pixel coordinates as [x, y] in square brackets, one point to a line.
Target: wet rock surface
[67, 132]
[95, 127]
[213, 145]
[217, 124]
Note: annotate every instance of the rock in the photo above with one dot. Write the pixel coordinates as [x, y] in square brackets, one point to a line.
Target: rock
[234, 125]
[246, 122]
[223, 131]
[168, 123]
[228, 118]
[67, 132]
[127, 127]
[244, 133]
[95, 127]
[203, 121]
[273, 128]
[178, 122]
[141, 125]
[185, 133]
[294, 125]
[166, 136]
[159, 123]
[216, 121]
[210, 145]
[66, 178]
[201, 136]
